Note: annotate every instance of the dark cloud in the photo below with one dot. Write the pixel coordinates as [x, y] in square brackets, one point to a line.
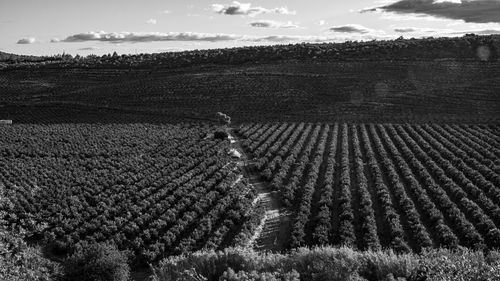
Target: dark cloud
[273, 24]
[420, 30]
[88, 49]
[237, 8]
[477, 11]
[405, 30]
[26, 40]
[445, 32]
[350, 28]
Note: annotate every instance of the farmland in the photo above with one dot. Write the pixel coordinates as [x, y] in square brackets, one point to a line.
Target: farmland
[369, 158]
[358, 91]
[155, 190]
[373, 186]
[146, 187]
[426, 80]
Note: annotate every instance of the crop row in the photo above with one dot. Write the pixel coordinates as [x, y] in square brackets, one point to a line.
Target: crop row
[407, 187]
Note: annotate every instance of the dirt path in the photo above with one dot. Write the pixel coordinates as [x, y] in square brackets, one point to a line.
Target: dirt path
[273, 233]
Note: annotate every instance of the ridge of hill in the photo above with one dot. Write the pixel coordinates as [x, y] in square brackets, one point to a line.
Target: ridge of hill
[470, 46]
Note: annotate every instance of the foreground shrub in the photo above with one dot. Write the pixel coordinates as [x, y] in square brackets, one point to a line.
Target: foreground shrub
[459, 265]
[19, 262]
[99, 262]
[230, 275]
[325, 263]
[330, 264]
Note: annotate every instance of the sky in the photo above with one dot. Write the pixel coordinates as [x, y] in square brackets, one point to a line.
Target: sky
[49, 27]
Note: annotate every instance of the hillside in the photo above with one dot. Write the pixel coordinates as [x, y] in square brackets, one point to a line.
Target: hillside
[440, 80]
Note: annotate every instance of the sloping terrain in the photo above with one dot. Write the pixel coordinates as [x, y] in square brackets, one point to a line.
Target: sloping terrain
[379, 90]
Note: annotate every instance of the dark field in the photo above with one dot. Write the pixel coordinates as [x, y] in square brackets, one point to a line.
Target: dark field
[366, 91]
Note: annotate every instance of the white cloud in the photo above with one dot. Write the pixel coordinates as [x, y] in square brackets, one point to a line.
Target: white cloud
[151, 21]
[321, 22]
[237, 8]
[166, 12]
[317, 39]
[135, 37]
[273, 24]
[119, 37]
[26, 40]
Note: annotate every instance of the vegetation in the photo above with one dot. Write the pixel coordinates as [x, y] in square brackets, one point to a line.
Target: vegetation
[429, 48]
[418, 81]
[385, 154]
[152, 190]
[99, 262]
[18, 261]
[382, 185]
[327, 263]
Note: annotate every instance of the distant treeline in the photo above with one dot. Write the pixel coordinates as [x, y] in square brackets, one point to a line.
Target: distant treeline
[470, 46]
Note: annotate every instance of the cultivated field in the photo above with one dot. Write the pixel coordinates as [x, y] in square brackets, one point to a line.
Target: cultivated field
[382, 159]
[366, 91]
[373, 186]
[155, 190]
[160, 190]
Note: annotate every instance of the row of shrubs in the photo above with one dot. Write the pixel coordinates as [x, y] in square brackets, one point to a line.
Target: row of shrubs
[102, 262]
[328, 263]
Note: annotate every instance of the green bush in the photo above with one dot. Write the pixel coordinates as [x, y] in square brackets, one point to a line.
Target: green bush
[99, 262]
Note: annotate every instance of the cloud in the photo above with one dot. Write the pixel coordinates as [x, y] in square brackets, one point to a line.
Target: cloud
[273, 24]
[237, 8]
[443, 32]
[317, 39]
[478, 11]
[119, 37]
[420, 30]
[88, 49]
[26, 40]
[351, 28]
[151, 21]
[405, 30]
[321, 22]
[136, 37]
[478, 32]
[166, 12]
